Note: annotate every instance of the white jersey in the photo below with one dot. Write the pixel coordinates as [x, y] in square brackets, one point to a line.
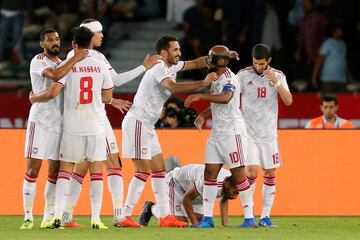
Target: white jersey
[227, 118]
[84, 112]
[259, 104]
[118, 79]
[45, 114]
[151, 96]
[192, 176]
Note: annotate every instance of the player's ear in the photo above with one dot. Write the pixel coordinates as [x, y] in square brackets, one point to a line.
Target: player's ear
[41, 44]
[269, 60]
[73, 45]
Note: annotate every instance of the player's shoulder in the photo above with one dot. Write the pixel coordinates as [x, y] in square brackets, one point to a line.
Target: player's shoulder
[246, 70]
[160, 66]
[278, 72]
[38, 58]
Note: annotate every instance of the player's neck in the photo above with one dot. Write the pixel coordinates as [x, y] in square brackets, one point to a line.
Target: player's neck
[52, 57]
[331, 120]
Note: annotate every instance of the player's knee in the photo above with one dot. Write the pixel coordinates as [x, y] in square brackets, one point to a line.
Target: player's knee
[33, 171]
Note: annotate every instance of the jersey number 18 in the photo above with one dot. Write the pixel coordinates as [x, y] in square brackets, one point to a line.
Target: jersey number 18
[86, 93]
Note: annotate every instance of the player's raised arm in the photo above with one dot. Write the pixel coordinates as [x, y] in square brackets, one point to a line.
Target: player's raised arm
[201, 62]
[125, 77]
[50, 93]
[189, 196]
[58, 73]
[175, 87]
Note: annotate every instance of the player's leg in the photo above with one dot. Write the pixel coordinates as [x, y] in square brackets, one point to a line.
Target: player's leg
[272, 161]
[136, 144]
[213, 164]
[96, 155]
[52, 149]
[49, 193]
[29, 190]
[252, 164]
[114, 176]
[75, 187]
[72, 150]
[234, 152]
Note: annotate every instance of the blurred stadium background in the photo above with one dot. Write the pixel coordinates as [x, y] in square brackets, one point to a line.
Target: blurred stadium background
[131, 28]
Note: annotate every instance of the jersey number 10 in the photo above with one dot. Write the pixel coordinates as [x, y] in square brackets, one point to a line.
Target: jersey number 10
[86, 93]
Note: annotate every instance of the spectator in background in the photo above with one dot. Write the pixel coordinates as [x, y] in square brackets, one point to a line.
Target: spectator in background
[329, 106]
[311, 35]
[12, 19]
[332, 63]
[171, 111]
[176, 9]
[64, 15]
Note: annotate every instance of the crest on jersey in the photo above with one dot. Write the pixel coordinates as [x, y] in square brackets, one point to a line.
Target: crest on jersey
[144, 151]
[35, 150]
[112, 145]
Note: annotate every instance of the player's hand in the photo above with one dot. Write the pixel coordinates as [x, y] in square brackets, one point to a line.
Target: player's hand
[150, 61]
[269, 74]
[120, 104]
[234, 54]
[190, 99]
[199, 121]
[31, 94]
[209, 78]
[80, 54]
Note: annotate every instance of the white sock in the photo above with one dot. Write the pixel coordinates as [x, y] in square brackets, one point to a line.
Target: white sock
[209, 196]
[49, 194]
[62, 192]
[29, 192]
[96, 194]
[268, 196]
[246, 198]
[161, 195]
[136, 187]
[116, 189]
[155, 211]
[75, 187]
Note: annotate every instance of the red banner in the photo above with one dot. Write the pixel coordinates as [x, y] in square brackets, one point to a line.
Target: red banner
[14, 110]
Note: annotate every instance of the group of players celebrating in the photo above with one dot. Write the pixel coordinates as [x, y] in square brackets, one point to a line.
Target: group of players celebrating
[68, 126]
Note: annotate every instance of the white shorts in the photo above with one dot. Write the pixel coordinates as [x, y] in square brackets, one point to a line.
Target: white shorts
[176, 194]
[41, 144]
[139, 141]
[111, 145]
[75, 149]
[264, 154]
[230, 150]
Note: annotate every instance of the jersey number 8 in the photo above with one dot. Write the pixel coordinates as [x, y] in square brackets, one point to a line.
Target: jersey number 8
[86, 93]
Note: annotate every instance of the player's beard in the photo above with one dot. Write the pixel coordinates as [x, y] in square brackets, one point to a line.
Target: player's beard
[53, 52]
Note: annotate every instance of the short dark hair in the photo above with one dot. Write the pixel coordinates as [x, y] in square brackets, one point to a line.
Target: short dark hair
[82, 36]
[88, 20]
[46, 31]
[231, 180]
[163, 43]
[261, 51]
[329, 98]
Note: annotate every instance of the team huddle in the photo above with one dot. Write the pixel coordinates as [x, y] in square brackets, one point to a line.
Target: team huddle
[68, 126]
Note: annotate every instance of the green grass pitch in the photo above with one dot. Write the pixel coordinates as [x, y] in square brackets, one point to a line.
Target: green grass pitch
[289, 228]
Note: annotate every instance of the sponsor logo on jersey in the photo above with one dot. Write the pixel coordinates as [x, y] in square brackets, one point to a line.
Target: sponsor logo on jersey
[144, 151]
[250, 83]
[112, 145]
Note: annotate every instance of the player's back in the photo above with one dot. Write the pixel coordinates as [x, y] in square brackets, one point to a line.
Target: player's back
[227, 118]
[46, 114]
[84, 112]
[259, 103]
